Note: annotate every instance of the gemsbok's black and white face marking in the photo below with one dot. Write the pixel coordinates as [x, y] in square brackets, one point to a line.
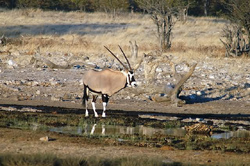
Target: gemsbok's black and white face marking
[131, 79]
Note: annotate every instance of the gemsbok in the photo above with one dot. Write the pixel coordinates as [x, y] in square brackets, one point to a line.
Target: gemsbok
[106, 82]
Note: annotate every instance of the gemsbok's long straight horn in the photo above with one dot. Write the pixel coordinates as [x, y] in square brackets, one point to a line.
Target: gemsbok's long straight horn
[125, 67]
[130, 68]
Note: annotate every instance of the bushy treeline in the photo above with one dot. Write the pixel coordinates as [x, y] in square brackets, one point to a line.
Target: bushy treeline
[195, 7]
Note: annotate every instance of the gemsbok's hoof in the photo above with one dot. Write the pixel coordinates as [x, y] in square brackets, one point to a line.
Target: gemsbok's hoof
[86, 114]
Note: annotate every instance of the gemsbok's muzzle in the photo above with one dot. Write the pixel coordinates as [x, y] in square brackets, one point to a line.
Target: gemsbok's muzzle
[134, 84]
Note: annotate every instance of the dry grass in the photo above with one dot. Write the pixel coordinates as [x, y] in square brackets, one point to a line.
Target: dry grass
[87, 33]
[50, 159]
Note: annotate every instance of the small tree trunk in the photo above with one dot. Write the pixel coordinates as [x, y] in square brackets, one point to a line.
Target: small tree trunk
[168, 33]
[206, 2]
[165, 33]
[134, 55]
[163, 36]
[183, 14]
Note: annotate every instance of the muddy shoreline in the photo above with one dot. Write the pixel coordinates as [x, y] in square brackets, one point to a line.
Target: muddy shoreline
[215, 109]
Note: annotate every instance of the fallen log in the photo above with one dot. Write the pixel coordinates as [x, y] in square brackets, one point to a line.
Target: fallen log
[38, 59]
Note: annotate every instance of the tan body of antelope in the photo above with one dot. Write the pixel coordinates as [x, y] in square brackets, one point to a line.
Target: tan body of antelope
[106, 82]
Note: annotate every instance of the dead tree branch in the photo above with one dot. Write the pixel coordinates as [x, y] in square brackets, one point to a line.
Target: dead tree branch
[173, 95]
[37, 61]
[136, 60]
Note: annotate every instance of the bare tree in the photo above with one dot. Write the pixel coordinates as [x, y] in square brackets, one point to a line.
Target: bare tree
[164, 14]
[235, 41]
[183, 13]
[238, 34]
[136, 60]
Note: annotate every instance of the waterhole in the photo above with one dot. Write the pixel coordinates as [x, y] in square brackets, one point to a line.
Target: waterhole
[138, 130]
[147, 130]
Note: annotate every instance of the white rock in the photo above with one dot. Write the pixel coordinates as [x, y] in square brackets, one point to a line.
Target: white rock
[38, 92]
[52, 79]
[45, 139]
[53, 83]
[211, 76]
[128, 97]
[159, 70]
[11, 63]
[53, 98]
[199, 93]
[34, 83]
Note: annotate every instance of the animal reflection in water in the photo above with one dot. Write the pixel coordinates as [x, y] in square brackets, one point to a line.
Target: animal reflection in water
[96, 129]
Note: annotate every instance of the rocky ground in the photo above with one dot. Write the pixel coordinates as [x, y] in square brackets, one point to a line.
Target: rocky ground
[216, 86]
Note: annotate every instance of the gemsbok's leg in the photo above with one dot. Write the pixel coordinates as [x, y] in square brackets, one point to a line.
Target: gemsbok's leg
[85, 100]
[105, 99]
[93, 105]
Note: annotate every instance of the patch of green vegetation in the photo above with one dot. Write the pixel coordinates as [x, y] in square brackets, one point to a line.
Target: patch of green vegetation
[240, 145]
[52, 160]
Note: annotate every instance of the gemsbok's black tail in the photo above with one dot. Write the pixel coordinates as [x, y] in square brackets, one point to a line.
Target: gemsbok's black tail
[85, 96]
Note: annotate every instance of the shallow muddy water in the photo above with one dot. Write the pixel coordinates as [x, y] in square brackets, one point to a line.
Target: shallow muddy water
[117, 130]
[139, 130]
